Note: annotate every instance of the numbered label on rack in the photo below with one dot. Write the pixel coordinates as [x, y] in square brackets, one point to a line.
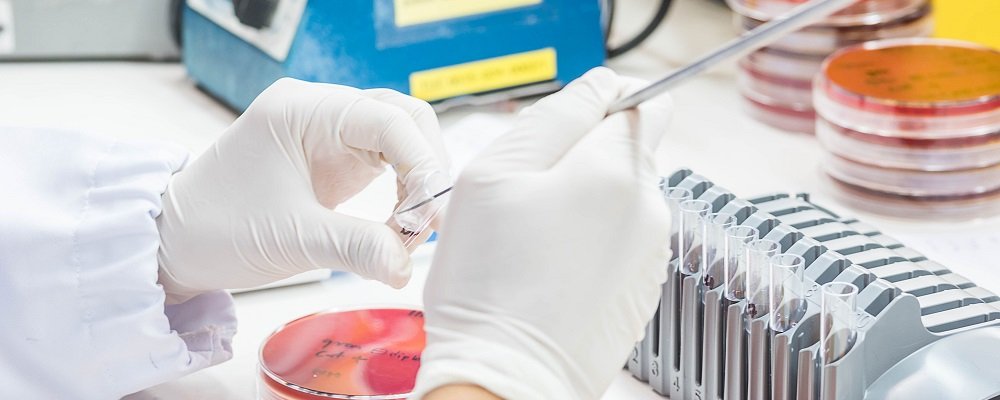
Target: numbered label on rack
[6, 27]
[812, 290]
[863, 319]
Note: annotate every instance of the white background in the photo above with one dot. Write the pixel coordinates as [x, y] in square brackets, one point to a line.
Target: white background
[709, 134]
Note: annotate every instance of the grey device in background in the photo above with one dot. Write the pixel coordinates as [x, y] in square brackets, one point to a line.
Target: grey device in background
[765, 34]
[89, 29]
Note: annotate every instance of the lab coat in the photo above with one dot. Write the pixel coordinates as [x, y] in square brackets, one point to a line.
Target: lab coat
[81, 313]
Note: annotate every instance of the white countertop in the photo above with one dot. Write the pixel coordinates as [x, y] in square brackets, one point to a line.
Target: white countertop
[710, 134]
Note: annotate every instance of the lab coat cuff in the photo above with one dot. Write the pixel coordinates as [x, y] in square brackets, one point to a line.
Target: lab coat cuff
[83, 316]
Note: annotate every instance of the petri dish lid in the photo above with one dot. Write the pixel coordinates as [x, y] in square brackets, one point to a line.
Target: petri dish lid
[908, 207]
[825, 40]
[927, 77]
[801, 68]
[761, 84]
[862, 12]
[779, 116]
[919, 154]
[353, 354]
[915, 184]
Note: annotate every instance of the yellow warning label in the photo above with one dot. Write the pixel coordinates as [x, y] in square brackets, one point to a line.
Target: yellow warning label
[412, 12]
[484, 75]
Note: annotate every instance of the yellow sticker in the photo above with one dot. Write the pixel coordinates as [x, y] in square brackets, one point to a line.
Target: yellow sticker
[973, 20]
[484, 75]
[412, 12]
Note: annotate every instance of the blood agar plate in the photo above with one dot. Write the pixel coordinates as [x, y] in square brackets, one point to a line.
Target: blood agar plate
[355, 354]
[902, 182]
[793, 92]
[777, 88]
[778, 80]
[863, 12]
[778, 101]
[780, 116]
[788, 65]
[901, 152]
[904, 206]
[824, 40]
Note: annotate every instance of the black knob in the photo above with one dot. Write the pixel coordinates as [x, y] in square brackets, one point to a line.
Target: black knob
[255, 13]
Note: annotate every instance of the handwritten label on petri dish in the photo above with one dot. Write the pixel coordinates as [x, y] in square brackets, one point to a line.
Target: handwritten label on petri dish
[335, 349]
[374, 352]
[920, 73]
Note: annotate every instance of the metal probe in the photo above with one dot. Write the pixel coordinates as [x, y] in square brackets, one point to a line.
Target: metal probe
[763, 35]
[416, 206]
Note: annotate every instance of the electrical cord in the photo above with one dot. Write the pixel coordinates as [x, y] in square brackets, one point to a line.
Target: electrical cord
[661, 13]
[607, 17]
[176, 10]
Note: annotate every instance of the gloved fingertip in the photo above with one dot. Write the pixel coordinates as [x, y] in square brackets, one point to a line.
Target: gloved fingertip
[398, 278]
[600, 73]
[394, 267]
[600, 83]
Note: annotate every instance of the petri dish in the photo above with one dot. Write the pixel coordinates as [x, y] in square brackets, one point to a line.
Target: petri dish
[913, 153]
[785, 64]
[348, 354]
[915, 184]
[919, 87]
[863, 12]
[906, 207]
[913, 126]
[820, 40]
[793, 92]
[788, 117]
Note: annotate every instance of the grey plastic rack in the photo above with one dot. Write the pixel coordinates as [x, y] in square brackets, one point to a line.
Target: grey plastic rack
[914, 317]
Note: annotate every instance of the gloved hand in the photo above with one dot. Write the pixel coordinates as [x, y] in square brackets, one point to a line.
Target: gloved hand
[256, 207]
[553, 251]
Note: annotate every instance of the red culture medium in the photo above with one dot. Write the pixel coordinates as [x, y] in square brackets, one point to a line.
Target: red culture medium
[355, 354]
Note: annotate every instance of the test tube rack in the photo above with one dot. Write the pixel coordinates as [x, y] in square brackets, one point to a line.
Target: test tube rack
[699, 345]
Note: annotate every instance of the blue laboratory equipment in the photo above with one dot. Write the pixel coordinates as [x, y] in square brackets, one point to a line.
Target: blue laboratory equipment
[443, 51]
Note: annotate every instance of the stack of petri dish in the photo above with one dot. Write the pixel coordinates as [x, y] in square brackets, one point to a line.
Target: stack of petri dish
[912, 126]
[776, 81]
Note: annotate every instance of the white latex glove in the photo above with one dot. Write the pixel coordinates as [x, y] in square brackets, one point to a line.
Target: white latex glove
[256, 207]
[553, 251]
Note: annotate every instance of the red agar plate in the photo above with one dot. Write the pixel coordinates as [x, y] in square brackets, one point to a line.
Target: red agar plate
[358, 354]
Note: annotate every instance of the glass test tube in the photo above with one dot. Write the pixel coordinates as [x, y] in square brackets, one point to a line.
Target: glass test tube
[758, 269]
[838, 325]
[788, 301]
[415, 214]
[692, 235]
[674, 197]
[715, 244]
[738, 239]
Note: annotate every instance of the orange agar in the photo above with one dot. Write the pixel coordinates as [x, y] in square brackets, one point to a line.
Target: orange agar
[926, 77]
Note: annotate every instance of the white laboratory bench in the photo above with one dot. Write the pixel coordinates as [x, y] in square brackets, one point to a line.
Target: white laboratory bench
[709, 134]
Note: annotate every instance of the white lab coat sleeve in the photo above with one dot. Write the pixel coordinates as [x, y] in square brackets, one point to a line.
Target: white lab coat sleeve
[81, 313]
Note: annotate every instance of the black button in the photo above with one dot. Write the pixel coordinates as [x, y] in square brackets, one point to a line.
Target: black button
[255, 13]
